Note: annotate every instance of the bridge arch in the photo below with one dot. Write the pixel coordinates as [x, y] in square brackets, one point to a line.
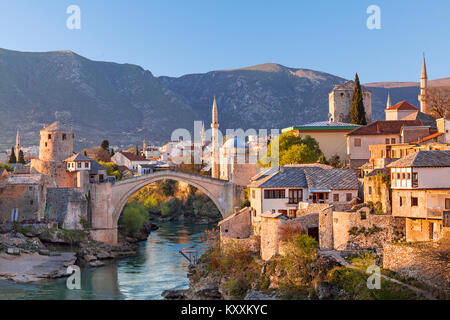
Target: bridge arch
[109, 199]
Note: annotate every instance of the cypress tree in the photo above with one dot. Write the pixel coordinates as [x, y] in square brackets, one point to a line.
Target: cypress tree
[112, 152]
[105, 145]
[137, 150]
[357, 113]
[21, 157]
[12, 158]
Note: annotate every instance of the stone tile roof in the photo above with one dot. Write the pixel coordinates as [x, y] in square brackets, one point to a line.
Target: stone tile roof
[424, 158]
[96, 167]
[313, 176]
[334, 179]
[381, 127]
[426, 119]
[78, 157]
[403, 105]
[132, 156]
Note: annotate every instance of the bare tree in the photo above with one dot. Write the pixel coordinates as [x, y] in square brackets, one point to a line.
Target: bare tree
[439, 101]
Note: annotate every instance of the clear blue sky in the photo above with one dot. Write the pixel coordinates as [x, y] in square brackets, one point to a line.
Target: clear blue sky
[179, 37]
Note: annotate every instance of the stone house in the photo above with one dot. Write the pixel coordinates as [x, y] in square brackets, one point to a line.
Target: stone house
[378, 132]
[284, 189]
[331, 136]
[420, 185]
[129, 160]
[400, 111]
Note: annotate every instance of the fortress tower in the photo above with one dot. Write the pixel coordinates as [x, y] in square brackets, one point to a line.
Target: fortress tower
[340, 102]
[56, 145]
[215, 141]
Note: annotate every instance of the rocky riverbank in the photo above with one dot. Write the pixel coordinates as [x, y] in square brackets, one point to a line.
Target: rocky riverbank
[35, 252]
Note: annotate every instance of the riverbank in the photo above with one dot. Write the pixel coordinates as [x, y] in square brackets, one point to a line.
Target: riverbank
[302, 272]
[35, 252]
[156, 266]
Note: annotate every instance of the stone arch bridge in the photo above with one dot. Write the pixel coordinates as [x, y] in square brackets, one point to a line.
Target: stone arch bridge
[107, 200]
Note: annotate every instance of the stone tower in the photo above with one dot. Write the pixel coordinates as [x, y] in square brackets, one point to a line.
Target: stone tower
[56, 142]
[215, 141]
[17, 150]
[424, 89]
[340, 102]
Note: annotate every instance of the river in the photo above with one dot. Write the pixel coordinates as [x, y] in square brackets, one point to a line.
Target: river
[158, 266]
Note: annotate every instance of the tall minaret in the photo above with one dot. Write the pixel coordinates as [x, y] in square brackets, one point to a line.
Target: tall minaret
[203, 134]
[17, 151]
[388, 103]
[215, 142]
[423, 88]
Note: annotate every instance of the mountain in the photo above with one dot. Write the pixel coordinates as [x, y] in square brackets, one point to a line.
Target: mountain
[102, 100]
[263, 96]
[125, 103]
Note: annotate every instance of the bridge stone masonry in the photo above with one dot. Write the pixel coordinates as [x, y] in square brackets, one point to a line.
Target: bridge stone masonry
[107, 200]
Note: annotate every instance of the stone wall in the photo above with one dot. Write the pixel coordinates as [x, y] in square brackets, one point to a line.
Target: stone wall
[364, 230]
[251, 243]
[67, 206]
[420, 262]
[423, 229]
[376, 190]
[56, 175]
[26, 198]
[270, 238]
[238, 225]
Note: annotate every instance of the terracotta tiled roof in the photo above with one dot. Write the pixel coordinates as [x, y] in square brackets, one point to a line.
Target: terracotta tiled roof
[132, 156]
[431, 136]
[403, 105]
[423, 158]
[384, 127]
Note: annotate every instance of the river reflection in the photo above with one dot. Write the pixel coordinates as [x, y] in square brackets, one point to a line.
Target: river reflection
[158, 266]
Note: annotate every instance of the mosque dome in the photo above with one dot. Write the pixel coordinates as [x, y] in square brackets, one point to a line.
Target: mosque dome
[235, 143]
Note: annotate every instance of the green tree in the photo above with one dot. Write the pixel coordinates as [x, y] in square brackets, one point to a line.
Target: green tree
[299, 153]
[322, 159]
[165, 209]
[137, 150]
[6, 167]
[105, 145]
[358, 113]
[134, 217]
[293, 149]
[21, 157]
[12, 157]
[152, 203]
[112, 169]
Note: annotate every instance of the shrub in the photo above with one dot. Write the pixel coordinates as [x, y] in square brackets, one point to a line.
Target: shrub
[245, 204]
[134, 217]
[237, 288]
[165, 209]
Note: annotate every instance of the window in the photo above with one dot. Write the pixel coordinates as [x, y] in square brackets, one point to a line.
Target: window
[403, 176]
[64, 136]
[414, 202]
[348, 196]
[387, 140]
[292, 213]
[86, 164]
[274, 194]
[31, 202]
[447, 204]
[253, 194]
[336, 197]
[46, 144]
[295, 195]
[393, 141]
[409, 176]
[49, 137]
[370, 190]
[382, 153]
[357, 142]
[283, 212]
[401, 153]
[398, 175]
[79, 164]
[401, 201]
[393, 176]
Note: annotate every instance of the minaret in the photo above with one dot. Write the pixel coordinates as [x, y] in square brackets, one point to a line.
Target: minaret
[388, 103]
[215, 142]
[17, 151]
[144, 145]
[423, 88]
[203, 134]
